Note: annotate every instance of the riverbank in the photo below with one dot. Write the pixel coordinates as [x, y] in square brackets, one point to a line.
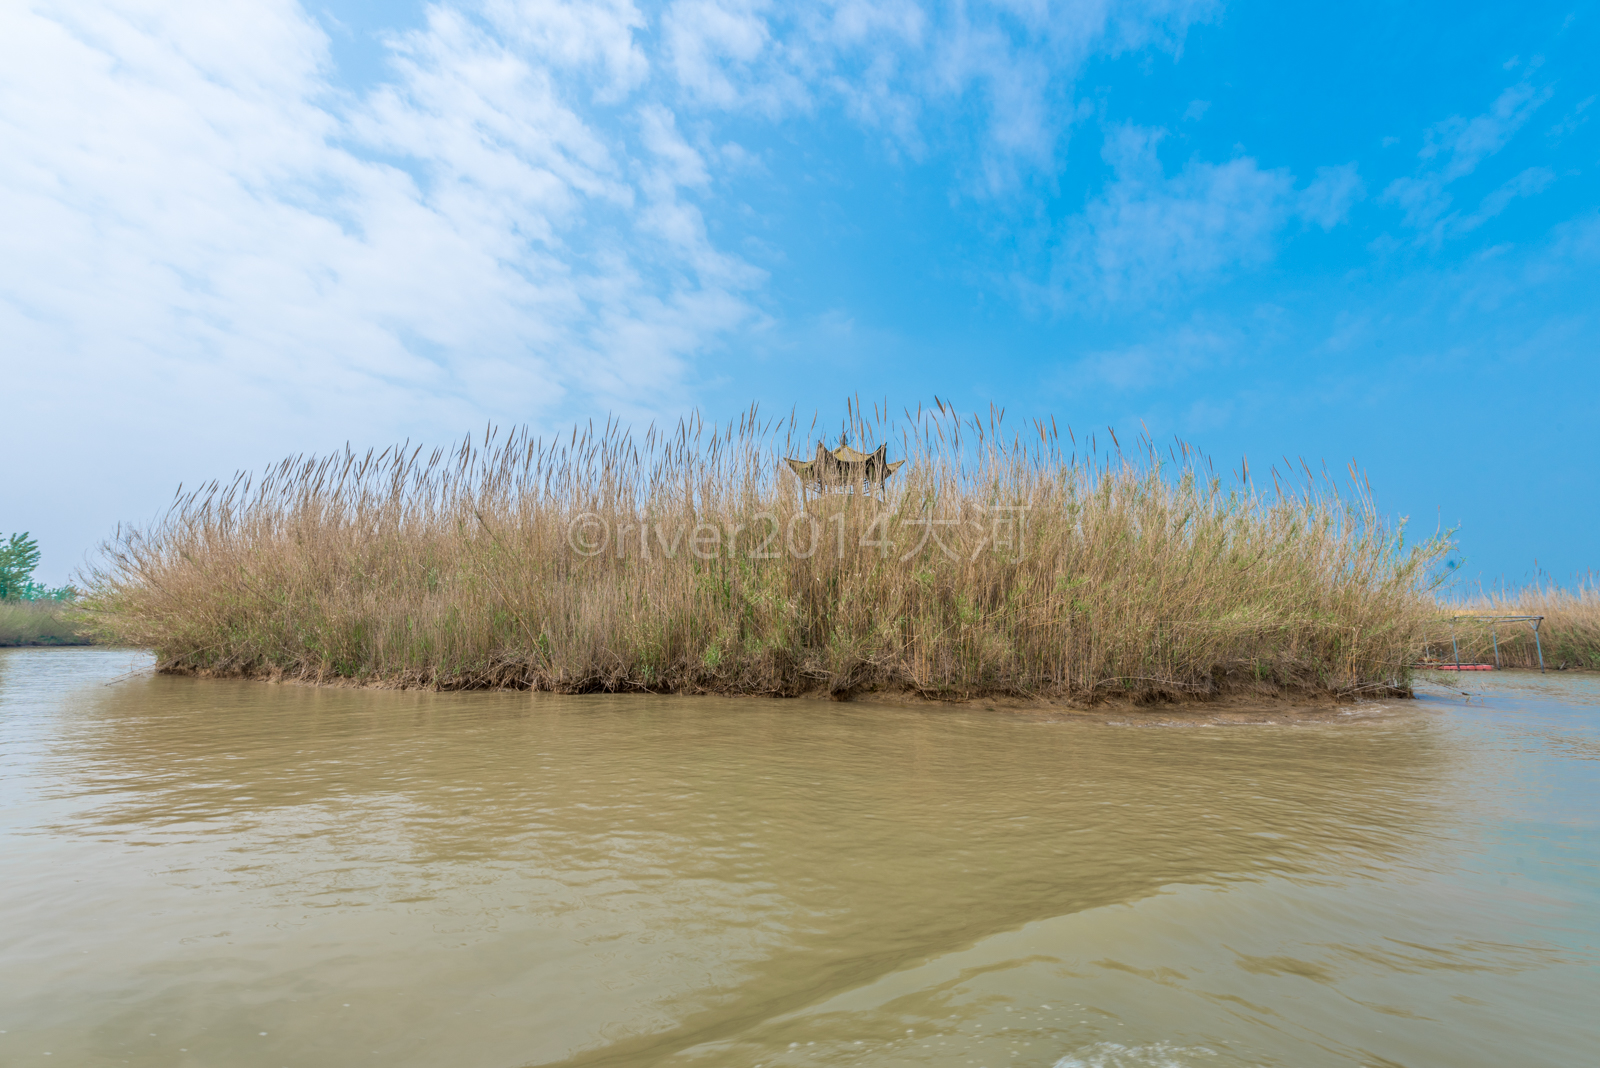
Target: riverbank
[1238, 706]
[1035, 567]
[39, 623]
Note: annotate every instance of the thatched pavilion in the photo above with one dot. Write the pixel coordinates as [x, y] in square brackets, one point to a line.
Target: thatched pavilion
[844, 468]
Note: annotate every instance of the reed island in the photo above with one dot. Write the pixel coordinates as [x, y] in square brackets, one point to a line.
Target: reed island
[932, 556]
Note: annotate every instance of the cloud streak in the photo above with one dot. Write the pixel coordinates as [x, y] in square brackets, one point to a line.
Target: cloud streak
[903, 67]
[1452, 150]
[1150, 233]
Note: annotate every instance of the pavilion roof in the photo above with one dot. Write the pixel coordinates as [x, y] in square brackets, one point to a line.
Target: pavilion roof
[845, 464]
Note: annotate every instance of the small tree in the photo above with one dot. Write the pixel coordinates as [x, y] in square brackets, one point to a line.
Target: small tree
[19, 555]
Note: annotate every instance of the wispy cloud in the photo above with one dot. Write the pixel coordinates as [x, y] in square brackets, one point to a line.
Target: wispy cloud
[1461, 144]
[1530, 182]
[471, 239]
[1152, 233]
[900, 66]
[1454, 149]
[1172, 356]
[1327, 200]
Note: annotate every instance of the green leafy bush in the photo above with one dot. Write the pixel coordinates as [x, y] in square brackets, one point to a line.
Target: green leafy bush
[19, 556]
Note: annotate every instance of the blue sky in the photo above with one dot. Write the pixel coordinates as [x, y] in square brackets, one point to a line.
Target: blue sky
[235, 232]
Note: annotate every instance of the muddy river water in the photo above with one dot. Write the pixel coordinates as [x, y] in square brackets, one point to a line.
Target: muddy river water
[242, 874]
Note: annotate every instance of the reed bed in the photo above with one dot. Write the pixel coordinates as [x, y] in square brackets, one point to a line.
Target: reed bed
[997, 562]
[1569, 634]
[40, 623]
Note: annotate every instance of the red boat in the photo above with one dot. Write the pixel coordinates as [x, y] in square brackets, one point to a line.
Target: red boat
[1455, 667]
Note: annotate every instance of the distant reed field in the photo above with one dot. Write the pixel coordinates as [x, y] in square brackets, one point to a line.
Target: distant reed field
[1027, 562]
[39, 623]
[1569, 634]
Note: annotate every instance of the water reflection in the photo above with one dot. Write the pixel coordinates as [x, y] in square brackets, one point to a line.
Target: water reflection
[503, 880]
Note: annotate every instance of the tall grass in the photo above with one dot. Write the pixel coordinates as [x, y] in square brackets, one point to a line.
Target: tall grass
[1569, 634]
[1139, 576]
[40, 623]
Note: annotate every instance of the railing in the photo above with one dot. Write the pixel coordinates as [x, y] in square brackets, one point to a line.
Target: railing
[1492, 620]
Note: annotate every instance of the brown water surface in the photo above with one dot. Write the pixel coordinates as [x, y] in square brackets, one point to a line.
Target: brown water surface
[217, 873]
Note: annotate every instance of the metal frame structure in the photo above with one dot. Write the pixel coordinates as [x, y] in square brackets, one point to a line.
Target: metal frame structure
[1492, 620]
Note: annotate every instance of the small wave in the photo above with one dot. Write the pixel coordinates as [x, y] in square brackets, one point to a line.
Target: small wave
[1116, 1055]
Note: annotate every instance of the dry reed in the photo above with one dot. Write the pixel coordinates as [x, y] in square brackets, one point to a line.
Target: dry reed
[1569, 634]
[996, 563]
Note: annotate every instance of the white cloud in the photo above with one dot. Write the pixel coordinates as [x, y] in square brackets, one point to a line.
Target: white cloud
[1529, 182]
[1464, 143]
[1172, 356]
[1572, 120]
[1452, 150]
[597, 37]
[895, 63]
[1330, 196]
[1423, 199]
[681, 163]
[722, 54]
[184, 198]
[1152, 234]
